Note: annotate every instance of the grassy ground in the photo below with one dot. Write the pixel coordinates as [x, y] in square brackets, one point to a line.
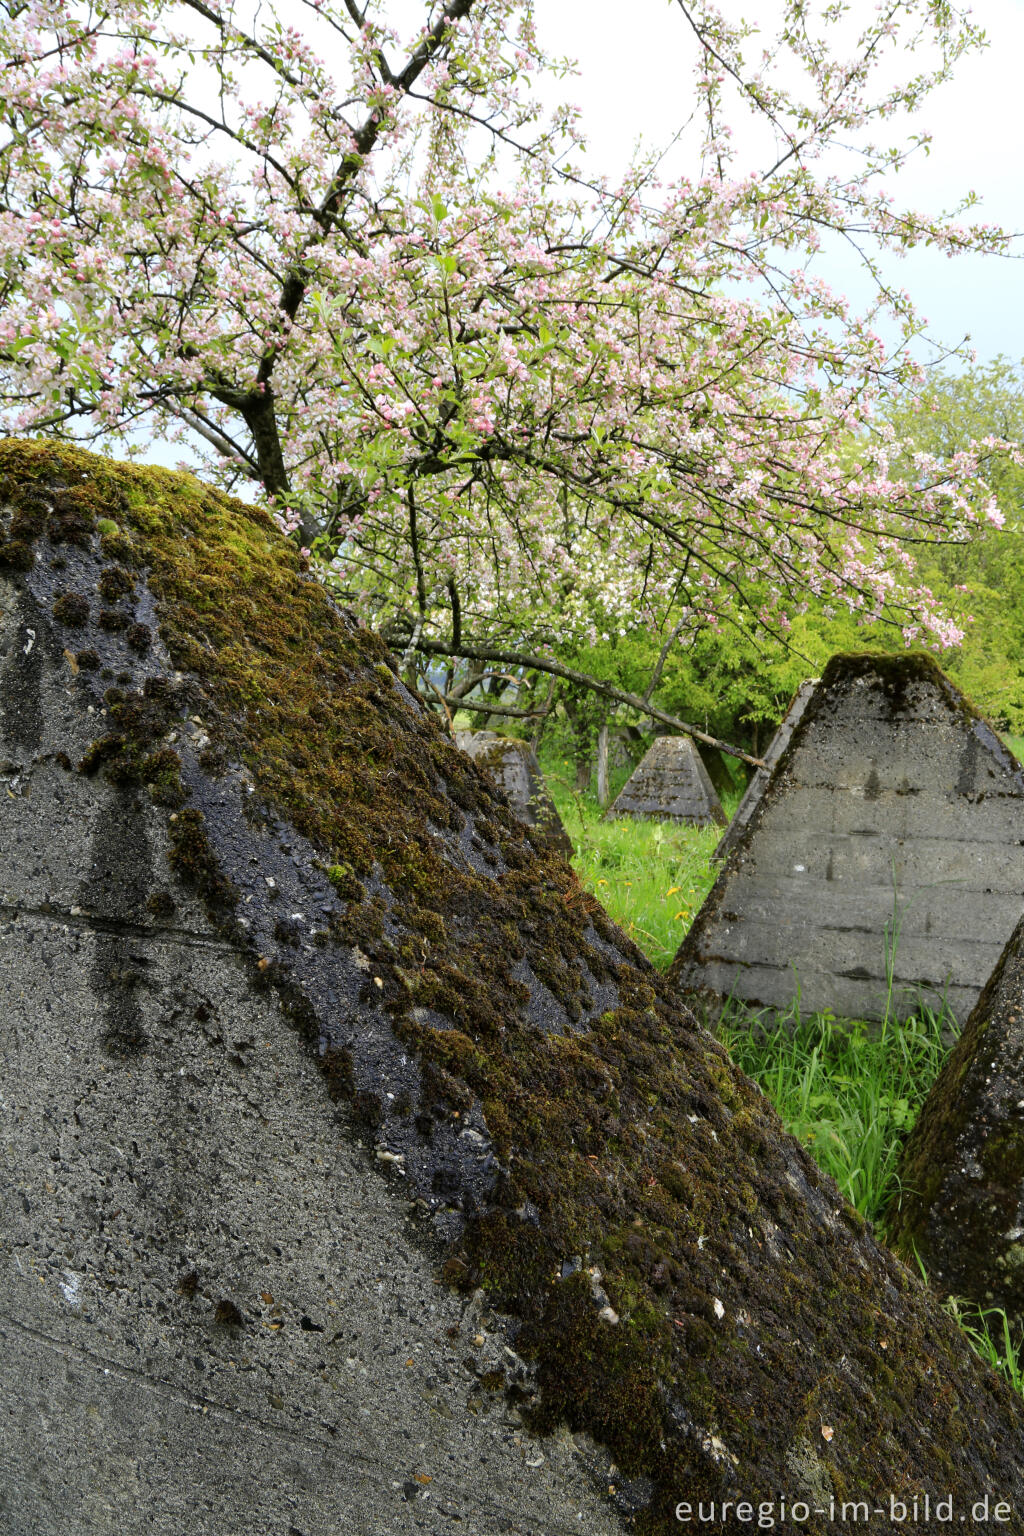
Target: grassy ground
[651, 876]
[849, 1092]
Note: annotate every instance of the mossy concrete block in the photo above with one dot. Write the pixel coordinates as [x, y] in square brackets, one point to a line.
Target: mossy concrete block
[670, 783]
[961, 1200]
[358, 1174]
[513, 766]
[889, 825]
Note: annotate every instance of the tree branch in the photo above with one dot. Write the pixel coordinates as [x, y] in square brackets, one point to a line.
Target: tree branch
[215, 436]
[483, 708]
[584, 680]
[660, 663]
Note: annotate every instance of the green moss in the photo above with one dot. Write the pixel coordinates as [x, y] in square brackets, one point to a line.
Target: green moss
[344, 882]
[72, 609]
[161, 904]
[114, 583]
[193, 860]
[132, 753]
[114, 545]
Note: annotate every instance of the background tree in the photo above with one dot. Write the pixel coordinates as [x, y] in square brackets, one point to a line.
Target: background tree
[494, 397]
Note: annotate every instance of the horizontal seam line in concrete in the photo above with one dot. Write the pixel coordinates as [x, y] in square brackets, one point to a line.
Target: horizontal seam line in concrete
[274, 1431]
[94, 923]
[936, 937]
[789, 966]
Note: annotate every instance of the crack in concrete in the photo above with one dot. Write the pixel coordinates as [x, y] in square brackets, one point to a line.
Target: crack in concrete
[191, 1400]
[90, 922]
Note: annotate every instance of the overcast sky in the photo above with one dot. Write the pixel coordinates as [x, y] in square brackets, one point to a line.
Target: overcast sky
[634, 82]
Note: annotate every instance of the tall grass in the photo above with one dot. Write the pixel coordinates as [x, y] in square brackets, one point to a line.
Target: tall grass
[993, 1337]
[849, 1091]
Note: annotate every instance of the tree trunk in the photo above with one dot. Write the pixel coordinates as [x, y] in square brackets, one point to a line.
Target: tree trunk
[715, 764]
[602, 765]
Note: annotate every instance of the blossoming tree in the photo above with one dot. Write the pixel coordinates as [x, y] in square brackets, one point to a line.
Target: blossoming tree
[506, 404]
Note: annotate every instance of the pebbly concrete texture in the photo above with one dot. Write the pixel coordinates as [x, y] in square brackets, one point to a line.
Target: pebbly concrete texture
[961, 1175]
[758, 783]
[670, 783]
[513, 766]
[892, 800]
[358, 1175]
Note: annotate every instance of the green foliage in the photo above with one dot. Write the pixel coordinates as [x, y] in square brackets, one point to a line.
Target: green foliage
[735, 681]
[992, 1337]
[981, 582]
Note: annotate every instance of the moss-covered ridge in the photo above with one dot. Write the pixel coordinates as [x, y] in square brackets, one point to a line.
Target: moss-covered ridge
[962, 1169]
[690, 1289]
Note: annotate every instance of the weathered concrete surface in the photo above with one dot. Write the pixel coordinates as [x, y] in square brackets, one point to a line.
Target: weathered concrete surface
[358, 1175]
[961, 1201]
[215, 1315]
[513, 766]
[891, 796]
[759, 781]
[670, 784]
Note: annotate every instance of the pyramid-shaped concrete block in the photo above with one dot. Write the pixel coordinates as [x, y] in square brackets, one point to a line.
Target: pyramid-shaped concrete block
[756, 788]
[891, 830]
[960, 1210]
[358, 1175]
[670, 783]
[513, 766]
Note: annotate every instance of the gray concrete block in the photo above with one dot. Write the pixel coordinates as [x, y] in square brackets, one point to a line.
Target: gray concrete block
[356, 1173]
[512, 765]
[671, 783]
[210, 1294]
[889, 798]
